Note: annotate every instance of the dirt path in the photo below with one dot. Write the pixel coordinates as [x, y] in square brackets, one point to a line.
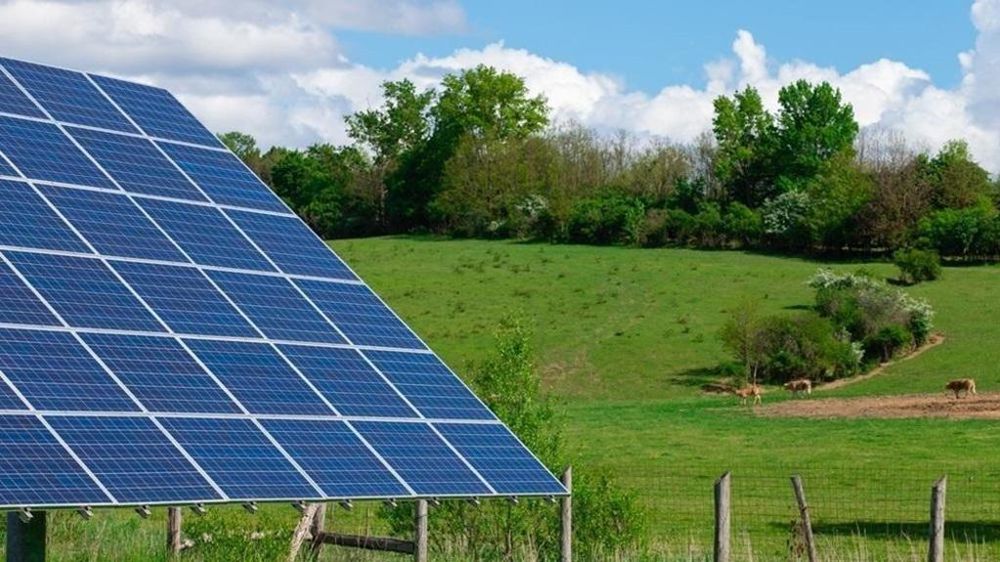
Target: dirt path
[982, 406]
[934, 341]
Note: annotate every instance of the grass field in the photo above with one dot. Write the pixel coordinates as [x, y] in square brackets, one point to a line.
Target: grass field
[626, 337]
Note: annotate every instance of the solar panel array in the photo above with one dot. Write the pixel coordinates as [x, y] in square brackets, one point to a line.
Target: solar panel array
[171, 333]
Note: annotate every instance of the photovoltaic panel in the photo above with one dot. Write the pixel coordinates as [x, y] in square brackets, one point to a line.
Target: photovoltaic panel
[291, 245]
[112, 223]
[68, 96]
[223, 177]
[156, 111]
[18, 305]
[27, 221]
[5, 168]
[42, 152]
[134, 460]
[136, 164]
[13, 100]
[184, 299]
[37, 470]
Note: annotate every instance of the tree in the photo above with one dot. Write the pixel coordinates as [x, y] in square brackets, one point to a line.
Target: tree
[813, 126]
[744, 133]
[958, 181]
[742, 335]
[244, 146]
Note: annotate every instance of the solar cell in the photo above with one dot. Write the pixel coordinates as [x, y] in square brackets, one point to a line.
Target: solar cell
[13, 100]
[5, 168]
[134, 460]
[37, 470]
[223, 177]
[112, 223]
[429, 385]
[205, 235]
[240, 459]
[18, 305]
[42, 152]
[156, 111]
[184, 299]
[136, 164]
[359, 314]
[291, 245]
[84, 292]
[68, 96]
[27, 221]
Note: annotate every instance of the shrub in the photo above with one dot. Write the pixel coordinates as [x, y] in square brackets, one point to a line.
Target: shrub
[916, 266]
[654, 233]
[612, 218]
[805, 345]
[786, 219]
[743, 225]
[887, 342]
[965, 233]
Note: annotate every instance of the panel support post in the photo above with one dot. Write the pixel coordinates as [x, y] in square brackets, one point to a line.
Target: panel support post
[316, 530]
[807, 531]
[566, 512]
[420, 546]
[722, 532]
[26, 541]
[174, 543]
[936, 550]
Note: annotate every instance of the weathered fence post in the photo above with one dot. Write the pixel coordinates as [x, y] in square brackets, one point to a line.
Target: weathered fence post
[566, 513]
[807, 531]
[420, 546]
[316, 530]
[722, 518]
[301, 530]
[174, 544]
[936, 551]
[26, 540]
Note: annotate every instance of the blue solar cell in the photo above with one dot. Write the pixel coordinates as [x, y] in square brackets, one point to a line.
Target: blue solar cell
[240, 459]
[84, 292]
[68, 96]
[133, 458]
[27, 221]
[429, 385]
[275, 307]
[334, 457]
[13, 100]
[156, 111]
[112, 223]
[363, 318]
[6, 169]
[136, 164]
[184, 299]
[205, 235]
[223, 177]
[42, 152]
[54, 372]
[18, 305]
[37, 470]
[161, 374]
[291, 245]
[259, 378]
[421, 458]
[500, 458]
[347, 381]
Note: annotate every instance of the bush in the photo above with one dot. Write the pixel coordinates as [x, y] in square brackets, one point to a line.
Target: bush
[612, 218]
[743, 225]
[786, 219]
[887, 342]
[964, 233]
[805, 345]
[916, 266]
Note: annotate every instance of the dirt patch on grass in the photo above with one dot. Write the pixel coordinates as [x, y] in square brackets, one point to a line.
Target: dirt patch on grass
[982, 406]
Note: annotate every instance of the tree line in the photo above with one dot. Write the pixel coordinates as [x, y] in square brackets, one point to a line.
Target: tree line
[479, 157]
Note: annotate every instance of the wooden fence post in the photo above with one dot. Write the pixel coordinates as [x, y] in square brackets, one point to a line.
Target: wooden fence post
[299, 536]
[26, 541]
[722, 531]
[174, 544]
[566, 513]
[420, 546]
[936, 551]
[807, 531]
[316, 530]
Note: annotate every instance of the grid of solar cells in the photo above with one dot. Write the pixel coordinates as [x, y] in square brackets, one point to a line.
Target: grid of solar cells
[27, 221]
[274, 306]
[136, 164]
[421, 458]
[223, 177]
[5, 168]
[259, 378]
[133, 459]
[140, 363]
[37, 470]
[184, 299]
[335, 459]
[68, 96]
[156, 111]
[112, 224]
[429, 385]
[291, 245]
[347, 381]
[54, 372]
[239, 459]
[13, 100]
[499, 458]
[359, 314]
[42, 152]
[84, 292]
[18, 305]
[205, 235]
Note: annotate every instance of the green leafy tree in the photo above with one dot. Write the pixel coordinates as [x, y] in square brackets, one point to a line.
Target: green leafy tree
[813, 126]
[957, 180]
[744, 132]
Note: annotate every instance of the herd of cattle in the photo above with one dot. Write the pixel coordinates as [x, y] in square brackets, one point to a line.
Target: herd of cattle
[752, 392]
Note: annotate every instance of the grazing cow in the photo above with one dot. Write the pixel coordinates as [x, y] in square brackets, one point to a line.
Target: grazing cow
[798, 386]
[959, 385]
[747, 392]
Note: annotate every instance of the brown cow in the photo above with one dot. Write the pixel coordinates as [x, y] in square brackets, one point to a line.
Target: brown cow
[748, 391]
[958, 385]
[799, 386]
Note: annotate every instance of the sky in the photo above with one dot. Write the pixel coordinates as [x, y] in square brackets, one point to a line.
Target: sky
[288, 72]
